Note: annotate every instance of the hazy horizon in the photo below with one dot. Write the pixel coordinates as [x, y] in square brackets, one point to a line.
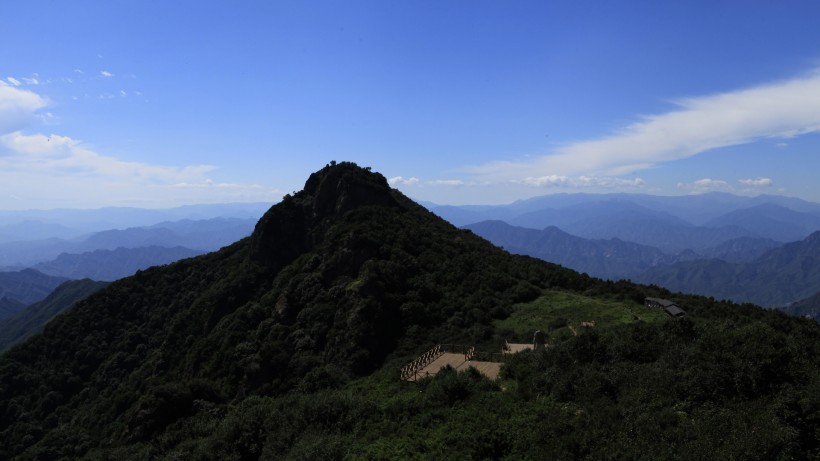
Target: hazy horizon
[423, 201]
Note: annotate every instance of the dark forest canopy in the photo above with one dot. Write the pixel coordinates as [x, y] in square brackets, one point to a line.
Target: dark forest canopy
[287, 345]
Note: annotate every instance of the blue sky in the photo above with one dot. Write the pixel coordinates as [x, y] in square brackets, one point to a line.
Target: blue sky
[157, 104]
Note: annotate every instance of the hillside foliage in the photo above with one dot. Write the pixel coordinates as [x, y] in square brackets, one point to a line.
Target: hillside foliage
[287, 345]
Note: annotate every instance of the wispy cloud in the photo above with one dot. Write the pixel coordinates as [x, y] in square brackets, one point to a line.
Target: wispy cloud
[400, 180]
[553, 180]
[63, 154]
[13, 81]
[778, 110]
[414, 181]
[106, 74]
[89, 178]
[758, 182]
[706, 185]
[86, 177]
[448, 182]
[579, 182]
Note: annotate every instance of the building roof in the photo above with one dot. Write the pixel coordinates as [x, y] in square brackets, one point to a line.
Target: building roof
[660, 301]
[674, 311]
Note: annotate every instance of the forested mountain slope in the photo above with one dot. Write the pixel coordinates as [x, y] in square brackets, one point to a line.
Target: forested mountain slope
[287, 345]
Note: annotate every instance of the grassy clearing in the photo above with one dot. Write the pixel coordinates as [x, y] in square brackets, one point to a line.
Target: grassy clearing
[560, 313]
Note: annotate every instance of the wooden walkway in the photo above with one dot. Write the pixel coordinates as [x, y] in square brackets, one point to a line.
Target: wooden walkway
[457, 362]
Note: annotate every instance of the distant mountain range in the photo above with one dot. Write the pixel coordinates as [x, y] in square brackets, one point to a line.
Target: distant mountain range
[10, 306]
[110, 265]
[716, 244]
[697, 210]
[779, 277]
[771, 221]
[740, 250]
[50, 249]
[612, 258]
[26, 287]
[30, 320]
[27, 225]
[204, 235]
[672, 224]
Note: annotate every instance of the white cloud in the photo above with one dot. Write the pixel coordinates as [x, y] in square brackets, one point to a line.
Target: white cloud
[706, 185]
[14, 81]
[38, 170]
[85, 177]
[17, 108]
[580, 182]
[607, 182]
[553, 180]
[759, 182]
[779, 110]
[31, 81]
[447, 182]
[62, 154]
[105, 73]
[399, 180]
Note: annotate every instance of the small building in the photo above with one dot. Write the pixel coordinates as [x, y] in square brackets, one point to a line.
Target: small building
[674, 311]
[658, 302]
[668, 306]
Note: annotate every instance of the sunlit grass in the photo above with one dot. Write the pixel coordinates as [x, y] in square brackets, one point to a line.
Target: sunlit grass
[560, 313]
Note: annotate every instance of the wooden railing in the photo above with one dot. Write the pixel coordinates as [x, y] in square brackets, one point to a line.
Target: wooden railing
[470, 354]
[411, 369]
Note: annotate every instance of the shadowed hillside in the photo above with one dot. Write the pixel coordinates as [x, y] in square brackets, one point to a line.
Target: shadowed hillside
[287, 345]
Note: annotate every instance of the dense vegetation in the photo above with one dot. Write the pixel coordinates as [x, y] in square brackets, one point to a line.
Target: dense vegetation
[287, 345]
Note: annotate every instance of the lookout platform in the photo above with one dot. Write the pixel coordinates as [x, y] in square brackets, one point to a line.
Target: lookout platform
[433, 361]
[459, 363]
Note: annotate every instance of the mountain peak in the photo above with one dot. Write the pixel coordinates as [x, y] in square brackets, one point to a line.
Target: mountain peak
[301, 219]
[340, 187]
